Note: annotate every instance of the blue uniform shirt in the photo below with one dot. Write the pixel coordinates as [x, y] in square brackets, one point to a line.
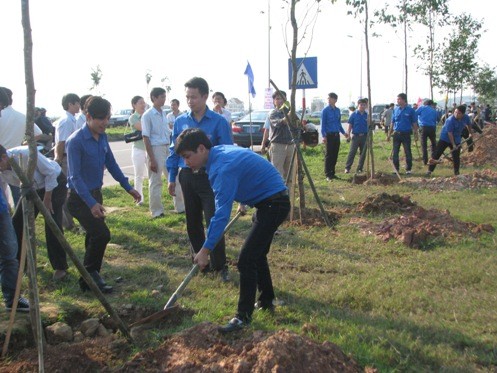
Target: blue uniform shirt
[215, 126]
[359, 122]
[86, 159]
[3, 203]
[427, 116]
[403, 119]
[455, 126]
[331, 121]
[237, 174]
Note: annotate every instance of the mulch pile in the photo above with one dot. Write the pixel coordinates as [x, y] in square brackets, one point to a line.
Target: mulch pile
[415, 225]
[485, 149]
[476, 180]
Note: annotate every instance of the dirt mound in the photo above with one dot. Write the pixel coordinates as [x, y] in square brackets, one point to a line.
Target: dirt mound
[485, 149]
[476, 180]
[379, 179]
[421, 225]
[314, 217]
[385, 203]
[198, 349]
[203, 349]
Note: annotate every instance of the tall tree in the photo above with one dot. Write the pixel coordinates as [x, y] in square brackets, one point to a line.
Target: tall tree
[484, 84]
[456, 64]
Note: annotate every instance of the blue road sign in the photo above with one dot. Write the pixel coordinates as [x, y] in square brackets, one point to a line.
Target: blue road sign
[307, 72]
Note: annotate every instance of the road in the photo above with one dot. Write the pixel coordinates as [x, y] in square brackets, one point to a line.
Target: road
[122, 153]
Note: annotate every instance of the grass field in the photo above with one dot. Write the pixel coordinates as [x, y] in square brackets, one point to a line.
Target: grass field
[389, 306]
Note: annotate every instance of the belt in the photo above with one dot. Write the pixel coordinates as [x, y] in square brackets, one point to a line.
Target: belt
[359, 134]
[333, 134]
[283, 193]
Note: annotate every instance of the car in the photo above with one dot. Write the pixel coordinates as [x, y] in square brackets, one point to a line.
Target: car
[237, 115]
[316, 114]
[249, 130]
[376, 115]
[344, 115]
[120, 118]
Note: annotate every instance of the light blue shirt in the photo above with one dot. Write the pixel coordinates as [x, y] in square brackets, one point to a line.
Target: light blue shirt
[65, 127]
[237, 174]
[156, 127]
[213, 124]
[86, 160]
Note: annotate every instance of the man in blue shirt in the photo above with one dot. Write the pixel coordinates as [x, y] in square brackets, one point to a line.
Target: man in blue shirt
[197, 192]
[450, 136]
[238, 174]
[358, 126]
[404, 123]
[331, 127]
[427, 121]
[88, 153]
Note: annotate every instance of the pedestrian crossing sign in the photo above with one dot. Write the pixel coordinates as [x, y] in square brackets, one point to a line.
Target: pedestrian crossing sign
[307, 73]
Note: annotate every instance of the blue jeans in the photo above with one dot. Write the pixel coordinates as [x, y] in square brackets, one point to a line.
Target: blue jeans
[9, 265]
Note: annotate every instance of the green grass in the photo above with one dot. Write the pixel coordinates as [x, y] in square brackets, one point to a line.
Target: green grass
[389, 306]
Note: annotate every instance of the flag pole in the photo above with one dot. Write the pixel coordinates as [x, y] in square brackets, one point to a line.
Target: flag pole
[250, 119]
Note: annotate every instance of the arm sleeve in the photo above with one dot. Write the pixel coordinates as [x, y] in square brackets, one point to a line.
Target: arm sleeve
[74, 150]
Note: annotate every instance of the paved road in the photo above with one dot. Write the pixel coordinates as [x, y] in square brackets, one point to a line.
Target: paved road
[122, 153]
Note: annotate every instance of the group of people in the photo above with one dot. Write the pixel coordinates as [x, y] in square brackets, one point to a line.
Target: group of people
[401, 122]
[193, 149]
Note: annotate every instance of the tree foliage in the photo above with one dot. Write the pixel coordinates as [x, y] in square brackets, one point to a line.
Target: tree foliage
[96, 77]
[484, 84]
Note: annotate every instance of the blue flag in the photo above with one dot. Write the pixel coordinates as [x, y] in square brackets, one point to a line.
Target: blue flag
[250, 76]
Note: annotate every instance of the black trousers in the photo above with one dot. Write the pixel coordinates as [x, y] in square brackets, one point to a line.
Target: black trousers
[456, 155]
[252, 263]
[56, 253]
[404, 139]
[199, 204]
[332, 149]
[428, 132]
[97, 233]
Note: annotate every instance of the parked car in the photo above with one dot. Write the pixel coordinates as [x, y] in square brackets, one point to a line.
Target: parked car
[120, 118]
[250, 129]
[237, 115]
[344, 114]
[316, 114]
[376, 116]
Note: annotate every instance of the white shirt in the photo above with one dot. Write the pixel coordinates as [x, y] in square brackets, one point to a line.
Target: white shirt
[156, 127]
[13, 128]
[46, 171]
[80, 122]
[171, 118]
[64, 127]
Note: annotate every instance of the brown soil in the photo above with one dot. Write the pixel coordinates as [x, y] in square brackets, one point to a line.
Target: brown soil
[198, 349]
[485, 149]
[385, 203]
[314, 218]
[476, 180]
[416, 225]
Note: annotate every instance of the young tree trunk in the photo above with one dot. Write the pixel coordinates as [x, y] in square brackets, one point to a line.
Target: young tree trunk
[368, 70]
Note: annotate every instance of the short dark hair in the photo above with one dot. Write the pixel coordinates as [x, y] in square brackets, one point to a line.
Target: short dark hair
[333, 95]
[8, 92]
[461, 108]
[402, 96]
[175, 100]
[199, 83]
[362, 101]
[70, 98]
[83, 100]
[428, 102]
[4, 98]
[190, 139]
[282, 94]
[98, 107]
[2, 150]
[156, 92]
[220, 94]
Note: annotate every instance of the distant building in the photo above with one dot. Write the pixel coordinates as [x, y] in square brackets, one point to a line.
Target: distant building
[317, 104]
[234, 105]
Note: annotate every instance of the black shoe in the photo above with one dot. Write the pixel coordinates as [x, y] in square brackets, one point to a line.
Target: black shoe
[158, 216]
[234, 325]
[225, 275]
[259, 306]
[22, 305]
[104, 288]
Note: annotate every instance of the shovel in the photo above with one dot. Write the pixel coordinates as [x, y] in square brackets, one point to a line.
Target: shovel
[170, 305]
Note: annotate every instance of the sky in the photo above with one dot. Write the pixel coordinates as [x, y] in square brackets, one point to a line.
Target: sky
[213, 39]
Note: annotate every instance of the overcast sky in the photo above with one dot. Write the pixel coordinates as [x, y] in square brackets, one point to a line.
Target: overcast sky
[213, 39]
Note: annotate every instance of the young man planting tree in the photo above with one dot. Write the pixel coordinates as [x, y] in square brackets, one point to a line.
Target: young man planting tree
[238, 174]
